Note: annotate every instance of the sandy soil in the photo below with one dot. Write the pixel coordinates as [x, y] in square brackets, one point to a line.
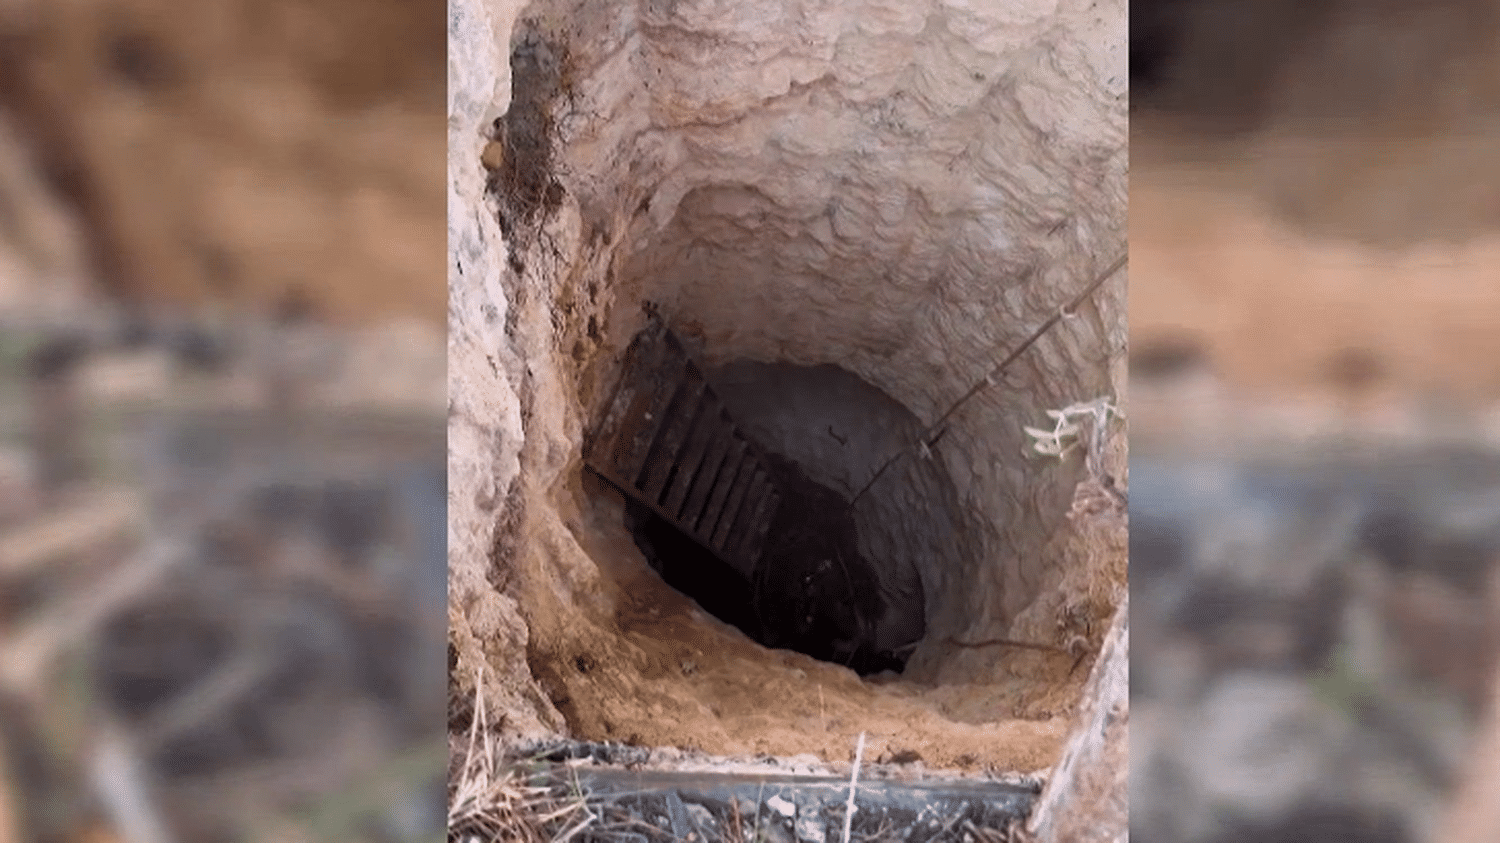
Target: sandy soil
[1276, 310]
[1313, 197]
[661, 672]
[242, 153]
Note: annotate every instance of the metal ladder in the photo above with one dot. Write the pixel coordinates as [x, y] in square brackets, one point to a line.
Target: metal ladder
[667, 442]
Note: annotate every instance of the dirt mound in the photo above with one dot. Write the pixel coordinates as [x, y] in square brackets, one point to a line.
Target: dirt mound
[245, 153]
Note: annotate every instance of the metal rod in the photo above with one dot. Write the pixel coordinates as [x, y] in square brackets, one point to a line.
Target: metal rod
[993, 377]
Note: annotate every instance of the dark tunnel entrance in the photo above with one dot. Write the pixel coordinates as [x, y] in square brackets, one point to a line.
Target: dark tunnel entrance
[767, 541]
[810, 591]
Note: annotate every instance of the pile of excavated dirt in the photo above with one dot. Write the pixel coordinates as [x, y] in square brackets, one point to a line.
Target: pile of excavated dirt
[899, 192]
[1269, 309]
[1317, 216]
[243, 154]
[1349, 120]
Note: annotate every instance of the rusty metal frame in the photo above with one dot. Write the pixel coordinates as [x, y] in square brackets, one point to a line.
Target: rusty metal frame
[667, 441]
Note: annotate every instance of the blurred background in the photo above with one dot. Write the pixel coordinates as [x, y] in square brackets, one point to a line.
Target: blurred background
[1315, 420]
[222, 392]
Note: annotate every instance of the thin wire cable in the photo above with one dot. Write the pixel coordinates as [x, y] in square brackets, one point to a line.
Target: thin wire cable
[928, 439]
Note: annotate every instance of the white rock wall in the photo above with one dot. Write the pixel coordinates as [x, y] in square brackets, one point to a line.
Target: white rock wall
[484, 375]
[901, 189]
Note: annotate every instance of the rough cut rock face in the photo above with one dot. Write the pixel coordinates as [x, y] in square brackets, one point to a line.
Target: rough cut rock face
[903, 191]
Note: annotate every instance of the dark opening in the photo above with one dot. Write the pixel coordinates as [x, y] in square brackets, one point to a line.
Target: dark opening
[738, 489]
[812, 591]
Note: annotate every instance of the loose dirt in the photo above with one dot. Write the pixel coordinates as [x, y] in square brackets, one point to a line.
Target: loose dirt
[659, 671]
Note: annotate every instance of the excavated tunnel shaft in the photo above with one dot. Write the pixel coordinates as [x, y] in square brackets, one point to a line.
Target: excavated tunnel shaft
[744, 532]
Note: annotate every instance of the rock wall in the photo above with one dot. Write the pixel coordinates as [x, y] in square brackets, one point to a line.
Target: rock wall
[903, 191]
[1088, 796]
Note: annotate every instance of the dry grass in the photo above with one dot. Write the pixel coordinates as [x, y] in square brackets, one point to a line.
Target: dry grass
[497, 795]
[104, 576]
[1474, 814]
[490, 798]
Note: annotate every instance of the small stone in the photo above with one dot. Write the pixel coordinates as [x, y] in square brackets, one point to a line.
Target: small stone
[781, 806]
[701, 818]
[776, 833]
[493, 156]
[138, 376]
[810, 829]
[747, 807]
